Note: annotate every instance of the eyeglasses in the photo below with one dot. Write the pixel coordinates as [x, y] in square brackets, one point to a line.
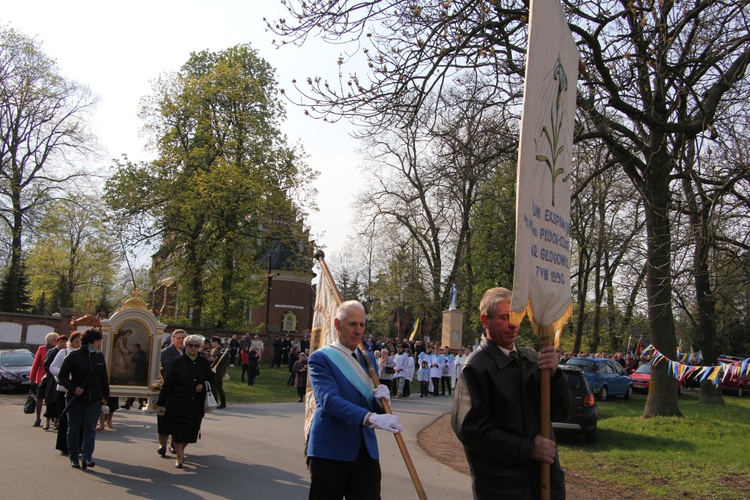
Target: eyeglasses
[193, 345]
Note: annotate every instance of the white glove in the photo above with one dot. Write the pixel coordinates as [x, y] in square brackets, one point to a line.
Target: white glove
[382, 392]
[386, 422]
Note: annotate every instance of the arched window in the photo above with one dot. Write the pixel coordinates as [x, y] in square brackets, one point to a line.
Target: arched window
[289, 322]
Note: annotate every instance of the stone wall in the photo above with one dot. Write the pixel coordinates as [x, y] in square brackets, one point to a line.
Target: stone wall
[28, 330]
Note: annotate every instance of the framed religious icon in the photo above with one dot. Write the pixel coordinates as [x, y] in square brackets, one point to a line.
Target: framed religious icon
[131, 351]
[132, 345]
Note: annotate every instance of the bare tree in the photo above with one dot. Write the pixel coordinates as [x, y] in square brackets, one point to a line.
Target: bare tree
[42, 134]
[653, 70]
[426, 182]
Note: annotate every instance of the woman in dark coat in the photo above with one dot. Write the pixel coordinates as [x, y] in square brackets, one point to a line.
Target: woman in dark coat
[300, 376]
[293, 356]
[253, 365]
[84, 375]
[183, 395]
[244, 362]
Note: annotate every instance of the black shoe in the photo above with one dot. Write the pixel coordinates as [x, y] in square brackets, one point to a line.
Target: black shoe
[179, 466]
[88, 464]
[125, 407]
[75, 463]
[222, 405]
[161, 450]
[172, 450]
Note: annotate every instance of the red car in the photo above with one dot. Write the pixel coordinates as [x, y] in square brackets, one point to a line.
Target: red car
[734, 384]
[642, 379]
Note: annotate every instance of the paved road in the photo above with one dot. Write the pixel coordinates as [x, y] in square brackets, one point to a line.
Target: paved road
[247, 451]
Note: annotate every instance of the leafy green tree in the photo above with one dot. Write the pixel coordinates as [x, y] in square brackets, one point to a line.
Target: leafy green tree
[14, 295]
[71, 260]
[42, 135]
[224, 178]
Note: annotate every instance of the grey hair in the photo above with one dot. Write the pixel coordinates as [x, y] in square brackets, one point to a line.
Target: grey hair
[490, 299]
[195, 338]
[50, 337]
[343, 309]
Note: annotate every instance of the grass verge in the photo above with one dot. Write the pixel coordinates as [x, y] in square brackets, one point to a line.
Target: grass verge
[701, 455]
[270, 387]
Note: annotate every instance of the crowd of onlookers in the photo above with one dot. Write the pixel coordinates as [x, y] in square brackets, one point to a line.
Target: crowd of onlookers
[401, 363]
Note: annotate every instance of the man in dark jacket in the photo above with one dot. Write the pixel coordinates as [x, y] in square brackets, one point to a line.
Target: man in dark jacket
[84, 375]
[496, 412]
[167, 356]
[219, 362]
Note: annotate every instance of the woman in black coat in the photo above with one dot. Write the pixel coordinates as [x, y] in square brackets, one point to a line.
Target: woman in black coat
[183, 395]
[253, 366]
[84, 374]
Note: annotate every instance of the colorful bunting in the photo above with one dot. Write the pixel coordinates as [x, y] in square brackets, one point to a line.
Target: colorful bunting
[716, 374]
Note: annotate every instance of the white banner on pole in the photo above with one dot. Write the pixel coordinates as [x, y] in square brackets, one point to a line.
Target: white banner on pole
[541, 284]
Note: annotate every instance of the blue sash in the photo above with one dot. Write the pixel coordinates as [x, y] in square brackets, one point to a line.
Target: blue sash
[347, 367]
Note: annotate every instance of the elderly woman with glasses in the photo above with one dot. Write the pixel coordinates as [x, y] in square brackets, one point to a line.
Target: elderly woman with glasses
[183, 395]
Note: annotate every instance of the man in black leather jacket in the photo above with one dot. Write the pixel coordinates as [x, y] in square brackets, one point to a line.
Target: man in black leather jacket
[84, 375]
[496, 409]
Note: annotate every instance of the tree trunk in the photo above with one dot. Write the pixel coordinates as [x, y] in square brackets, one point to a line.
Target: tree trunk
[662, 396]
[700, 209]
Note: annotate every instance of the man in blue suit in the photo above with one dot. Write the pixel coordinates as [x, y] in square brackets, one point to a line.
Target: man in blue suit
[342, 449]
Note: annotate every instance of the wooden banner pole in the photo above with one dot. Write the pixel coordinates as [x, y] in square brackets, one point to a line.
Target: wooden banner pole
[399, 438]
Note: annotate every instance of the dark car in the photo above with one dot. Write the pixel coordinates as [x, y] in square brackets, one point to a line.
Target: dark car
[15, 366]
[585, 412]
[606, 377]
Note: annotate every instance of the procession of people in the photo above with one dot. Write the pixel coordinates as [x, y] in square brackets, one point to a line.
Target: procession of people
[342, 451]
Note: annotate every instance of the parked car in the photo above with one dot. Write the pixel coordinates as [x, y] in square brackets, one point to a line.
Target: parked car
[606, 377]
[642, 380]
[734, 384]
[585, 412]
[15, 366]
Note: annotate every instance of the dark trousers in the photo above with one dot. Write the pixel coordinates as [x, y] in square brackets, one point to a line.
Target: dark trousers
[218, 390]
[82, 418]
[445, 381]
[129, 402]
[62, 426]
[407, 388]
[435, 385]
[424, 388]
[276, 361]
[334, 480]
[244, 371]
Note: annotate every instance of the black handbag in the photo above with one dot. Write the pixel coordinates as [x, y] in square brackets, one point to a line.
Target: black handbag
[29, 406]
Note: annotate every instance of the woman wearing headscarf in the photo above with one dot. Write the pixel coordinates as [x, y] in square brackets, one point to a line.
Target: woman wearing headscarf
[182, 397]
[84, 375]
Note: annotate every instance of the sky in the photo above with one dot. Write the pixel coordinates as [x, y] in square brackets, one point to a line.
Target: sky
[118, 48]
